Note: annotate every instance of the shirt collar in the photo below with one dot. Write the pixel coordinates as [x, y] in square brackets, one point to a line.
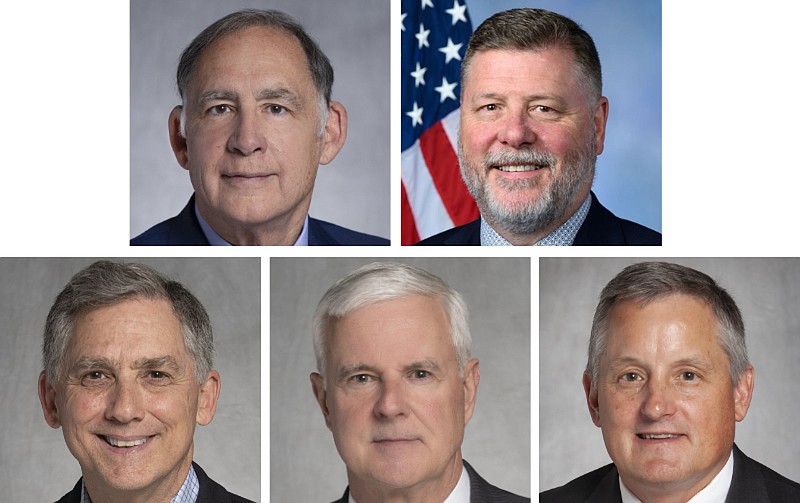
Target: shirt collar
[715, 492]
[215, 239]
[564, 235]
[460, 493]
[186, 494]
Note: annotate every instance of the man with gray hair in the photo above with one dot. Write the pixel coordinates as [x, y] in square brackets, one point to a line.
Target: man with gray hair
[397, 385]
[667, 379]
[255, 123]
[532, 123]
[128, 373]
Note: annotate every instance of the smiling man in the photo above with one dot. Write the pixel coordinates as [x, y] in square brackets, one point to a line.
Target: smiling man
[532, 123]
[256, 122]
[667, 379]
[127, 375]
[397, 386]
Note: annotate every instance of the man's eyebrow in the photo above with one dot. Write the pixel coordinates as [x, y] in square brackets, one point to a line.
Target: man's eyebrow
[217, 95]
[427, 364]
[692, 361]
[281, 94]
[158, 362]
[92, 362]
[354, 368]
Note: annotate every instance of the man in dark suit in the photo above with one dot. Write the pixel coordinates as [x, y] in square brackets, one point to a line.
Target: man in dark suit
[532, 123]
[397, 385]
[255, 123]
[127, 358]
[667, 379]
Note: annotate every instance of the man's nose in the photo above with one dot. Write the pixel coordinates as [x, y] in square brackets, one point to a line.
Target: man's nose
[392, 401]
[516, 129]
[125, 402]
[248, 135]
[659, 400]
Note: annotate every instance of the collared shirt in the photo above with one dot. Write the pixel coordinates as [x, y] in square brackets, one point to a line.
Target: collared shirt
[715, 492]
[564, 235]
[186, 494]
[215, 239]
[460, 493]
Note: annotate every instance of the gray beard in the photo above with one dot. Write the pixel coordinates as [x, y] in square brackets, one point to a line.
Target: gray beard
[536, 215]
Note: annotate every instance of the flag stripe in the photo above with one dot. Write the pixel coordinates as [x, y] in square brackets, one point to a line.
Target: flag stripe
[426, 205]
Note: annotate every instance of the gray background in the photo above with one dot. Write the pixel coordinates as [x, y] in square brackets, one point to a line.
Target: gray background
[353, 190]
[767, 292]
[35, 464]
[305, 465]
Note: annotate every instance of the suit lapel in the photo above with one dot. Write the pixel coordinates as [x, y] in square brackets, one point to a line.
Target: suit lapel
[607, 491]
[747, 485]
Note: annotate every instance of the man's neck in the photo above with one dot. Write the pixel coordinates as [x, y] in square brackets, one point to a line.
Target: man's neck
[161, 491]
[427, 491]
[279, 231]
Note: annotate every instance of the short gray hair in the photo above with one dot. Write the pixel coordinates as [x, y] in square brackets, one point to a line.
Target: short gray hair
[381, 281]
[648, 281]
[536, 30]
[104, 283]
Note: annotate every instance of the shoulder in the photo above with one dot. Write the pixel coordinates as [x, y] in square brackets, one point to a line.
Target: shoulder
[322, 233]
[748, 475]
[211, 492]
[602, 227]
[484, 492]
[182, 229]
[465, 235]
[582, 488]
[74, 496]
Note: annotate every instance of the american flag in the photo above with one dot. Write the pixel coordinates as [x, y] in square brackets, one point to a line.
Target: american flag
[435, 34]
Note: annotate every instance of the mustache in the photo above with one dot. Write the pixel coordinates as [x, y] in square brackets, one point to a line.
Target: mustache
[517, 158]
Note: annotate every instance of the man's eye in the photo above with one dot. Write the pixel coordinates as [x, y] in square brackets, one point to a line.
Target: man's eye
[361, 378]
[219, 109]
[276, 109]
[689, 376]
[491, 107]
[543, 109]
[420, 374]
[631, 377]
[93, 378]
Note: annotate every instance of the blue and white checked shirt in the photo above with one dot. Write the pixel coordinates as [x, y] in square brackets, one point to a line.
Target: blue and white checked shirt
[564, 235]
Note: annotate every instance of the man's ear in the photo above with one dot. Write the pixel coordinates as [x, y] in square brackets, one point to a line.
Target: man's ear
[176, 138]
[472, 377]
[600, 119]
[335, 132]
[207, 400]
[47, 397]
[321, 394]
[743, 392]
[591, 399]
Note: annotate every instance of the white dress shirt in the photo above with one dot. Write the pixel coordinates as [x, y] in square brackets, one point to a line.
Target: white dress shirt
[460, 493]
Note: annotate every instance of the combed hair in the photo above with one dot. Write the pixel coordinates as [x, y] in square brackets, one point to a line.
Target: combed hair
[648, 281]
[536, 30]
[318, 63]
[104, 283]
[380, 281]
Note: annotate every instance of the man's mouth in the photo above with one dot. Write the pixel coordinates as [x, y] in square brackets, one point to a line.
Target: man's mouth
[519, 168]
[657, 436]
[115, 442]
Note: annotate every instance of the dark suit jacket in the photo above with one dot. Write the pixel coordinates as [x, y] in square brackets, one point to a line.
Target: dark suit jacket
[480, 491]
[184, 230]
[752, 483]
[210, 491]
[601, 227]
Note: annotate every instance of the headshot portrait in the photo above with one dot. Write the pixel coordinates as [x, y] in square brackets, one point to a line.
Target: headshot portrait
[678, 377]
[546, 129]
[130, 380]
[400, 379]
[239, 116]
